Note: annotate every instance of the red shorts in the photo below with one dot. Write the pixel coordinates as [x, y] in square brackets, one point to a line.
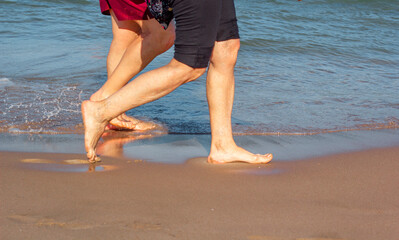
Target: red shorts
[126, 9]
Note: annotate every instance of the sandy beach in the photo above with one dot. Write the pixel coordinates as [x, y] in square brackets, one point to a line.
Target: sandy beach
[316, 84]
[352, 196]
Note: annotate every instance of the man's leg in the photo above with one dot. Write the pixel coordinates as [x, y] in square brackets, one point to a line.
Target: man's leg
[220, 93]
[145, 88]
[135, 44]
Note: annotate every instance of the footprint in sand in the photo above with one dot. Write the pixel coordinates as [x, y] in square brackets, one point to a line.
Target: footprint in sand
[49, 222]
[319, 239]
[75, 225]
[259, 237]
[22, 219]
[69, 165]
[144, 226]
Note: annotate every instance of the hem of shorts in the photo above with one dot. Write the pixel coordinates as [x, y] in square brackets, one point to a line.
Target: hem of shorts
[193, 64]
[228, 38]
[147, 16]
[106, 12]
[232, 34]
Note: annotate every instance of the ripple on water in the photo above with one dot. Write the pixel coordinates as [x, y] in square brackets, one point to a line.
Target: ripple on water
[303, 67]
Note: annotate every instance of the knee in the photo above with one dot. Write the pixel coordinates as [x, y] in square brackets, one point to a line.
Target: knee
[167, 40]
[161, 40]
[195, 73]
[225, 53]
[190, 74]
[124, 38]
[184, 73]
[232, 45]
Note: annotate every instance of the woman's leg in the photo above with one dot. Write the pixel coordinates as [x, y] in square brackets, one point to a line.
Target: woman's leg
[135, 44]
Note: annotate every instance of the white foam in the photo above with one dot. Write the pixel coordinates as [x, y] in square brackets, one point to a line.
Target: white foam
[5, 82]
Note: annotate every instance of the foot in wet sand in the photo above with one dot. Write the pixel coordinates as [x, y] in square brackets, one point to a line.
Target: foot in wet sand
[94, 127]
[237, 154]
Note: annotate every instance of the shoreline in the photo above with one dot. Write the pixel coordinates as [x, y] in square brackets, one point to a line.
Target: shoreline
[177, 148]
[341, 196]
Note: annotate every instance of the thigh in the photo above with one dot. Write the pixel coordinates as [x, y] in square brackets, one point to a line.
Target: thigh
[227, 28]
[197, 24]
[124, 31]
[129, 9]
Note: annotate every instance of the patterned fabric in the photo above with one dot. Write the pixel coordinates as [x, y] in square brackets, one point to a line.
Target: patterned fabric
[161, 10]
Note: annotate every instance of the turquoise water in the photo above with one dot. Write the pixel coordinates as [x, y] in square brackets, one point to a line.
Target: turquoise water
[304, 67]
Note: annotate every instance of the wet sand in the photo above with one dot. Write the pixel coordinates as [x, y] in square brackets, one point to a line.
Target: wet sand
[343, 196]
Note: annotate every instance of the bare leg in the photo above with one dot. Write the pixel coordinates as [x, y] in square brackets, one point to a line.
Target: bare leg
[135, 44]
[220, 93]
[145, 88]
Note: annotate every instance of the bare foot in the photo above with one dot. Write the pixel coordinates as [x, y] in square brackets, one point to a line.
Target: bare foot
[237, 154]
[123, 122]
[94, 128]
[140, 124]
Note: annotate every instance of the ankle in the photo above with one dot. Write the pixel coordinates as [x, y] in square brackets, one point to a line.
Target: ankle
[97, 109]
[99, 95]
[223, 145]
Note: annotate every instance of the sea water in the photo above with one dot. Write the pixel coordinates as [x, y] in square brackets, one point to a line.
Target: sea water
[304, 67]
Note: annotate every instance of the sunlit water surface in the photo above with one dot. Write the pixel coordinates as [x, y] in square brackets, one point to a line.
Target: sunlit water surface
[303, 67]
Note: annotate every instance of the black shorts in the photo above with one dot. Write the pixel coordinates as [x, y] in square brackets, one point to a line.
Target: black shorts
[199, 23]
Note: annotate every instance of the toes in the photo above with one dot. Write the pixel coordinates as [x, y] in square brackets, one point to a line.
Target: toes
[142, 126]
[129, 119]
[263, 158]
[109, 127]
[128, 125]
[118, 125]
[91, 156]
[94, 159]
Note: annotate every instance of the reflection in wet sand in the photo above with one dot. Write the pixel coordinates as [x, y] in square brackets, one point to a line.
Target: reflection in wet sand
[260, 171]
[261, 237]
[236, 167]
[200, 161]
[113, 141]
[111, 145]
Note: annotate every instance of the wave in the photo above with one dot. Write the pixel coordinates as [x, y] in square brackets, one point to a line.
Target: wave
[5, 82]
